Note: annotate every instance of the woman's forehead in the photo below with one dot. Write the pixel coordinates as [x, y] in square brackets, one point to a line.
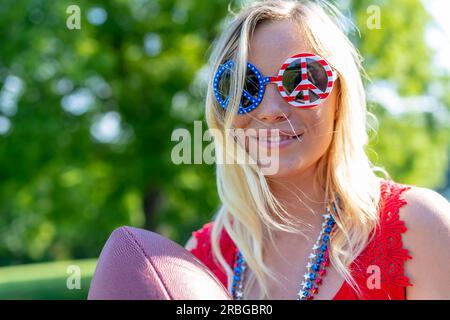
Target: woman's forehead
[275, 41]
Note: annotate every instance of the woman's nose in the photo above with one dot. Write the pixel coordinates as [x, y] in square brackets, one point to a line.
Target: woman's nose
[273, 108]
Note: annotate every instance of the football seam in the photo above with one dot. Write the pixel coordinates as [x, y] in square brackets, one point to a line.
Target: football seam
[149, 261]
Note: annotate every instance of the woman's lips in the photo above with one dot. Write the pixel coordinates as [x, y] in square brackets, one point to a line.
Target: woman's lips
[276, 141]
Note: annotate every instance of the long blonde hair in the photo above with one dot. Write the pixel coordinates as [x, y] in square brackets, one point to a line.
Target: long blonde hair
[249, 211]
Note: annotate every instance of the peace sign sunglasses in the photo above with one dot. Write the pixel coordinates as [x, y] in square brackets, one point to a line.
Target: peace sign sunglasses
[304, 80]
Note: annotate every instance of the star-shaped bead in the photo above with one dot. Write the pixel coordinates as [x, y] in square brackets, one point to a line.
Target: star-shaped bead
[239, 294]
[312, 256]
[326, 216]
[306, 276]
[303, 284]
[309, 265]
[315, 247]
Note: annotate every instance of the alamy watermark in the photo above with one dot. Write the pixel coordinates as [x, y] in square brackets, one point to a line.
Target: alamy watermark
[73, 281]
[374, 19]
[374, 279]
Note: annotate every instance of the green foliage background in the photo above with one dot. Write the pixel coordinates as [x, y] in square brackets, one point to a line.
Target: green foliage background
[62, 191]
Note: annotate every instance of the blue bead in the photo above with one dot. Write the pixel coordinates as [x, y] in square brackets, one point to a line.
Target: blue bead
[320, 255]
[326, 238]
[323, 247]
[308, 285]
[312, 276]
[236, 277]
[328, 230]
[315, 267]
[319, 260]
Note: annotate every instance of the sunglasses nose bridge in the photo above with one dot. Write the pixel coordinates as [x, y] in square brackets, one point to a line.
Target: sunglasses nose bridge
[276, 79]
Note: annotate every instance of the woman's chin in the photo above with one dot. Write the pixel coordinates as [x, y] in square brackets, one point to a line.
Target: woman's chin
[281, 168]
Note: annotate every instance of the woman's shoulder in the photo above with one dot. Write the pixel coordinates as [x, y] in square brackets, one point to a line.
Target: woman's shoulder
[426, 211]
[412, 212]
[410, 249]
[419, 210]
[427, 218]
[415, 205]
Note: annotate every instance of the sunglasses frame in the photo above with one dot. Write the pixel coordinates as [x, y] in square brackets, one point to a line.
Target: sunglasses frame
[305, 85]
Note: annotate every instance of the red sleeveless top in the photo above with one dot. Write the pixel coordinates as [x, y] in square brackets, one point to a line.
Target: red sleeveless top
[385, 251]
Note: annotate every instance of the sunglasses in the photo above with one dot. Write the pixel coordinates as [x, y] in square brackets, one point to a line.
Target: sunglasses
[304, 81]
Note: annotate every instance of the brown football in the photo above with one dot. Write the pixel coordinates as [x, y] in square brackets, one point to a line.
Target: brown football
[139, 264]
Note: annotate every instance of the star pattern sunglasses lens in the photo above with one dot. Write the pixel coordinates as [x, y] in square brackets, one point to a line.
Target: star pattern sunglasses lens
[251, 87]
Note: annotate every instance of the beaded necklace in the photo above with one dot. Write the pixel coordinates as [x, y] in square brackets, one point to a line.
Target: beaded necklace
[315, 269]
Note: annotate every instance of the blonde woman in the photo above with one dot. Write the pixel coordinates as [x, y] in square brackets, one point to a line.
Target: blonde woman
[323, 225]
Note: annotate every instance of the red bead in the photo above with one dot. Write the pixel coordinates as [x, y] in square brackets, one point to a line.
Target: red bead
[310, 298]
[326, 262]
[319, 281]
[322, 272]
[314, 290]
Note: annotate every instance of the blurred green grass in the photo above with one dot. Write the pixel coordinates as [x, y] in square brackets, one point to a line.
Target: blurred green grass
[46, 281]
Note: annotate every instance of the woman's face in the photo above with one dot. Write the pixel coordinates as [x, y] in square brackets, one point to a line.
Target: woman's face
[272, 43]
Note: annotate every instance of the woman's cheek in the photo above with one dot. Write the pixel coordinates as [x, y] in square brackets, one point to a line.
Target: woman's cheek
[241, 121]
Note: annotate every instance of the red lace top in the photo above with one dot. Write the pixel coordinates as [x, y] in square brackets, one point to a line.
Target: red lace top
[384, 251]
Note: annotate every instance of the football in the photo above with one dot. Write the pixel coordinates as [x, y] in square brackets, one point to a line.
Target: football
[138, 264]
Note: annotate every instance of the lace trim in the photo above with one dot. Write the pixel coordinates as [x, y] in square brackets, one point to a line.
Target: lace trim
[386, 248]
